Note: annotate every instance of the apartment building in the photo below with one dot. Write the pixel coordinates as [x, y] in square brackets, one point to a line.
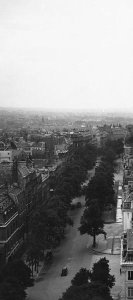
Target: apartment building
[18, 201]
[6, 155]
[126, 262]
[126, 257]
[9, 228]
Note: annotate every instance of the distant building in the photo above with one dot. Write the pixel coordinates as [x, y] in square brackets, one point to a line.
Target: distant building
[101, 136]
[24, 146]
[80, 138]
[128, 149]
[6, 155]
[2, 146]
[117, 132]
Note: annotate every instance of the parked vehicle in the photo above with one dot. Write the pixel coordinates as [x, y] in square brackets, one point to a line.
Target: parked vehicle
[64, 271]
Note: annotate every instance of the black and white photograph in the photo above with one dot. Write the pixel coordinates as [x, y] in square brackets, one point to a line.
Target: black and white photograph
[66, 150]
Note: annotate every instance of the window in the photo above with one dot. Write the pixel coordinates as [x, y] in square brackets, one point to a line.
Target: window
[130, 292]
[130, 275]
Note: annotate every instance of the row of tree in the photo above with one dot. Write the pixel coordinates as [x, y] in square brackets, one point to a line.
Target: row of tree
[49, 221]
[100, 192]
[115, 148]
[15, 277]
[96, 284]
[92, 284]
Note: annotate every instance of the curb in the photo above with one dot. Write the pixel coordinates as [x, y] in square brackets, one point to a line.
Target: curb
[102, 252]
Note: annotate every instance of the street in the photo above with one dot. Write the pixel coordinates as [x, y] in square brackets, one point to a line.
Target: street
[72, 253]
[75, 252]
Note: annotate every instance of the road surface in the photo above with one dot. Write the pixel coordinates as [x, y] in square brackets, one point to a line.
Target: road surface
[74, 252]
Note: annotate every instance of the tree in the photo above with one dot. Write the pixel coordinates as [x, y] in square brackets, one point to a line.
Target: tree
[115, 146]
[76, 293]
[99, 290]
[101, 186]
[89, 291]
[19, 270]
[91, 285]
[34, 255]
[11, 289]
[81, 277]
[47, 226]
[91, 221]
[101, 273]
[15, 277]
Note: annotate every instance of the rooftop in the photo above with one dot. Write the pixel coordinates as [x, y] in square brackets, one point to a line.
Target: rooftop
[24, 170]
[5, 202]
[15, 190]
[44, 177]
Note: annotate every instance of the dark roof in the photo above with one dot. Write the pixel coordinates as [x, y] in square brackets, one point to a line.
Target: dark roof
[23, 170]
[5, 201]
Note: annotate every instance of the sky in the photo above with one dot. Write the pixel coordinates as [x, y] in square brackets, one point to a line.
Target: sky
[66, 54]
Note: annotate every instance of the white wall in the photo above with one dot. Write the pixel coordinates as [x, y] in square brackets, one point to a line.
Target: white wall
[127, 220]
[6, 155]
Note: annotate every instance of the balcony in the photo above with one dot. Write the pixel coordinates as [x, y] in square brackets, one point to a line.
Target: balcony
[126, 257]
[126, 205]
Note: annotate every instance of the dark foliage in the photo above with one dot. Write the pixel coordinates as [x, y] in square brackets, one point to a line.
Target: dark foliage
[101, 273]
[91, 285]
[91, 221]
[49, 222]
[15, 277]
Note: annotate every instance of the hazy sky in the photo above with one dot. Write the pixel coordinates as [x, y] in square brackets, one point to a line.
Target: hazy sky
[72, 54]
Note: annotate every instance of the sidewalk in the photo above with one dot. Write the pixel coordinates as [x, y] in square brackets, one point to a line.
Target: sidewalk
[110, 248]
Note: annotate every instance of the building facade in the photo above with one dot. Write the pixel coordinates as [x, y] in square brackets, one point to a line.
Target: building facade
[126, 257]
[18, 201]
[9, 224]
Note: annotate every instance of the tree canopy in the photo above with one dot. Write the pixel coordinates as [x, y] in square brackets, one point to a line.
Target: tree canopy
[49, 221]
[91, 221]
[15, 277]
[101, 273]
[90, 284]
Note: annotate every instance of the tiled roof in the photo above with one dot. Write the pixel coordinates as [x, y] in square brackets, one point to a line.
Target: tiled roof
[44, 176]
[23, 170]
[31, 169]
[5, 201]
[15, 193]
[15, 190]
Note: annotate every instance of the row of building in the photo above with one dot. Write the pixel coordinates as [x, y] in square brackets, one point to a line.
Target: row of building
[18, 201]
[41, 144]
[28, 186]
[126, 257]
